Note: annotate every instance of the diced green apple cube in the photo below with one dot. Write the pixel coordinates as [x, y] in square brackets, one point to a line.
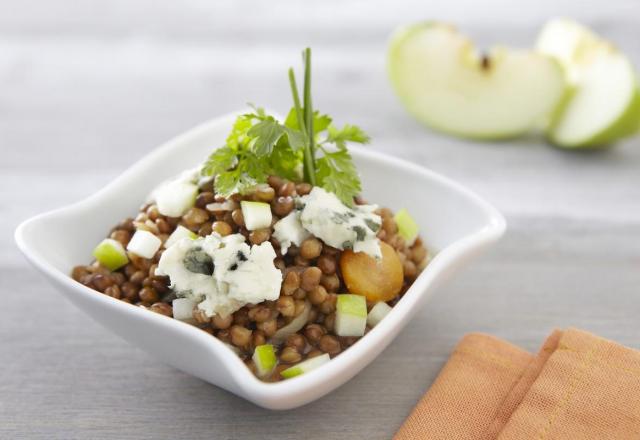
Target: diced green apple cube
[351, 315]
[257, 215]
[111, 254]
[264, 357]
[378, 312]
[180, 233]
[144, 243]
[305, 366]
[174, 199]
[407, 226]
[183, 308]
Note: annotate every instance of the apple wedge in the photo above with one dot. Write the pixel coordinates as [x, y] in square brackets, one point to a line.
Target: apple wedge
[448, 85]
[604, 104]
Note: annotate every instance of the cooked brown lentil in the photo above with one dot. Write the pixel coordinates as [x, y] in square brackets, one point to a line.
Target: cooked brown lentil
[311, 275]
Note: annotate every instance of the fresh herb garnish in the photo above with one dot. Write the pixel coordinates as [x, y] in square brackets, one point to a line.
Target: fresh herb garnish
[306, 147]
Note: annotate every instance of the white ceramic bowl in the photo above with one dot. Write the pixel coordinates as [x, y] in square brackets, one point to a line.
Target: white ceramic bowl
[453, 221]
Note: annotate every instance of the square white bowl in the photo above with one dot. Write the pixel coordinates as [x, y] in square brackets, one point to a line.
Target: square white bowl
[453, 222]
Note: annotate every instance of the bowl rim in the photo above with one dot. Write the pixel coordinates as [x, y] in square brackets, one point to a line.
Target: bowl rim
[261, 392]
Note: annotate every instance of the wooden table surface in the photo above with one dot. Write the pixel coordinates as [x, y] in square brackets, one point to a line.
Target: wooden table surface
[88, 87]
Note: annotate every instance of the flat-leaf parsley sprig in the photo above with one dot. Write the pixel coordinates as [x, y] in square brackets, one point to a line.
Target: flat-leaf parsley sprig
[305, 147]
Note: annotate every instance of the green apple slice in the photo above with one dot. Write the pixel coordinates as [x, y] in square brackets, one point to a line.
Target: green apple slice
[407, 227]
[351, 315]
[183, 308]
[177, 235]
[264, 358]
[144, 244]
[111, 254]
[257, 215]
[448, 85]
[305, 366]
[604, 105]
[377, 313]
[175, 198]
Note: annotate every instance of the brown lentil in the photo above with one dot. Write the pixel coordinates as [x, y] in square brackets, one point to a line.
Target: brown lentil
[265, 194]
[240, 336]
[205, 198]
[290, 355]
[258, 338]
[238, 217]
[302, 189]
[329, 321]
[287, 189]
[286, 306]
[148, 295]
[327, 264]
[313, 333]
[162, 308]
[259, 314]
[101, 282]
[259, 236]
[330, 282]
[310, 278]
[122, 236]
[291, 283]
[221, 323]
[268, 327]
[311, 248]
[195, 217]
[296, 341]
[221, 228]
[113, 291]
[282, 206]
[318, 295]
[329, 344]
[314, 353]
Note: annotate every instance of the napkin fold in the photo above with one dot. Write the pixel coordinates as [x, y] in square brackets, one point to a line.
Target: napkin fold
[578, 386]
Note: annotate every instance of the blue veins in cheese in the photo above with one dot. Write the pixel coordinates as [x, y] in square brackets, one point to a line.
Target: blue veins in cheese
[221, 274]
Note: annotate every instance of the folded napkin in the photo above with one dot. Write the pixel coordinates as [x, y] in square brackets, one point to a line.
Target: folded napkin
[579, 386]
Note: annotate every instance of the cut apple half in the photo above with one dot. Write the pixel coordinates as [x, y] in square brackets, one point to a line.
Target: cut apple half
[448, 85]
[604, 104]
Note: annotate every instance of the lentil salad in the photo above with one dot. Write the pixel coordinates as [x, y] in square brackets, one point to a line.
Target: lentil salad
[286, 264]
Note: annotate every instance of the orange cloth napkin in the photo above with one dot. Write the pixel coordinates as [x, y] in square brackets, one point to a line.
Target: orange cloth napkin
[579, 386]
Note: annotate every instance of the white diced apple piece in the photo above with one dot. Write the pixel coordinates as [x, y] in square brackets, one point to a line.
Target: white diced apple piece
[264, 358]
[378, 312]
[305, 366]
[175, 198]
[183, 308]
[257, 215]
[180, 233]
[447, 84]
[351, 315]
[111, 254]
[407, 226]
[144, 244]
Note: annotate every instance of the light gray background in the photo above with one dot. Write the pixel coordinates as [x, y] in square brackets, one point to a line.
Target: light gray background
[86, 88]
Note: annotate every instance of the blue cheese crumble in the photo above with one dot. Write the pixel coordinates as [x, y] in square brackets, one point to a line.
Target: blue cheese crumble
[289, 230]
[322, 214]
[221, 274]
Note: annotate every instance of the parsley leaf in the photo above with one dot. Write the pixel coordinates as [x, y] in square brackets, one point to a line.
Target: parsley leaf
[348, 133]
[320, 121]
[219, 161]
[337, 173]
[266, 134]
